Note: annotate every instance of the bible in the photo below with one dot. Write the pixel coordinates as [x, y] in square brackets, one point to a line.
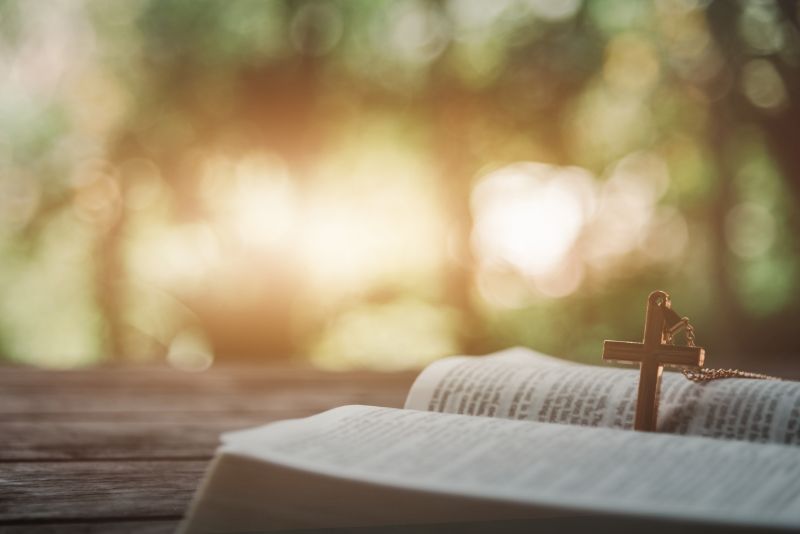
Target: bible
[518, 436]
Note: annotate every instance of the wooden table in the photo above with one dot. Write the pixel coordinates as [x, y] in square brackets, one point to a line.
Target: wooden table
[123, 449]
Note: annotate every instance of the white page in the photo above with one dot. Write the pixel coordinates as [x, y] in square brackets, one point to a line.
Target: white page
[562, 466]
[522, 384]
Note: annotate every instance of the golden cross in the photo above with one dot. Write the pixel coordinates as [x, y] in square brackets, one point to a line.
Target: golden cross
[653, 353]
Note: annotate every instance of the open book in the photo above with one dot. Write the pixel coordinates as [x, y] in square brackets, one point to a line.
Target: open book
[518, 436]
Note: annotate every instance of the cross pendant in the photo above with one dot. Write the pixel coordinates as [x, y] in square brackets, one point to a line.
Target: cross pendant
[653, 353]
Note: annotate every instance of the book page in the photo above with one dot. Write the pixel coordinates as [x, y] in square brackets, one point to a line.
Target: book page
[525, 385]
[557, 466]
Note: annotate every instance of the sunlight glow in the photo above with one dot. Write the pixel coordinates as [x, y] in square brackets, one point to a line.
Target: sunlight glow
[338, 246]
[529, 215]
[254, 198]
[369, 218]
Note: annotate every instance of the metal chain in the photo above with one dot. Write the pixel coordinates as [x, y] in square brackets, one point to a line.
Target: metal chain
[701, 375]
[688, 332]
[707, 375]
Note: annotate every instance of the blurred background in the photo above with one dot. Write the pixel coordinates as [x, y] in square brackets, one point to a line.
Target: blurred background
[376, 184]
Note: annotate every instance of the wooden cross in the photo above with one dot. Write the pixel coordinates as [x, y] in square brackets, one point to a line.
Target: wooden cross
[653, 354]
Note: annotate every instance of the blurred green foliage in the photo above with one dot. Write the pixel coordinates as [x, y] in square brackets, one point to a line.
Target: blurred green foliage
[346, 180]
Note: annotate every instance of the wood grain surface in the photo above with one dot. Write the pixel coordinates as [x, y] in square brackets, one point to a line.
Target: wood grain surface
[122, 449]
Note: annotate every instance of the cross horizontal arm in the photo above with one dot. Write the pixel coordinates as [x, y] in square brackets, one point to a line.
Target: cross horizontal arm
[627, 351]
[680, 356]
[623, 351]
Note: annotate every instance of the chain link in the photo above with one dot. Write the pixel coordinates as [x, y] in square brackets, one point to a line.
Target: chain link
[688, 329]
[689, 332]
[707, 375]
[701, 375]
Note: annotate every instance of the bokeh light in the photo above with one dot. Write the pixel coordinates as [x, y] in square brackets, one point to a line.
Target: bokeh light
[377, 184]
[529, 215]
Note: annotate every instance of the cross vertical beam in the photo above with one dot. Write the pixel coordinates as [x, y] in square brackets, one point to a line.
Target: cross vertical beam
[651, 369]
[652, 354]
